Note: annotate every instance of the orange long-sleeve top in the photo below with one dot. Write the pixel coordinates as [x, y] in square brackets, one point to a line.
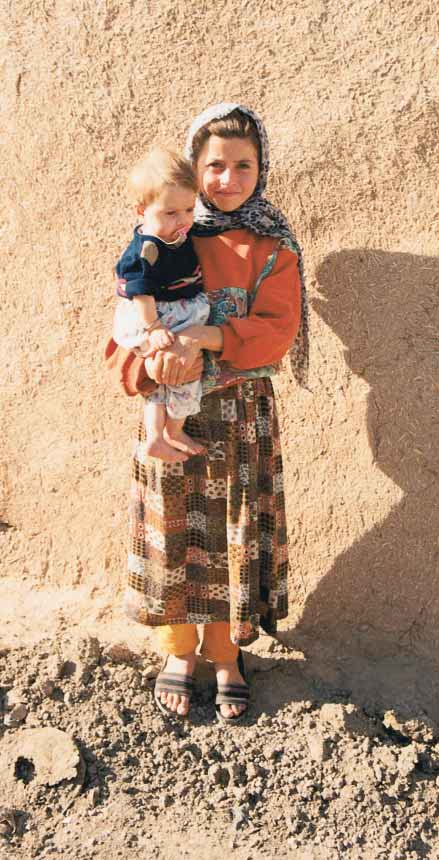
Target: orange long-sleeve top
[236, 259]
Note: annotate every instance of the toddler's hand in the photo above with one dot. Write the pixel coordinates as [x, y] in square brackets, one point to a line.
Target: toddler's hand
[160, 338]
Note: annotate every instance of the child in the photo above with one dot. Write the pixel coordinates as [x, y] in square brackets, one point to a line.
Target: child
[160, 274]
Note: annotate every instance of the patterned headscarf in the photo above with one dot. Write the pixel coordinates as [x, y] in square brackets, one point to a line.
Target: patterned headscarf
[256, 214]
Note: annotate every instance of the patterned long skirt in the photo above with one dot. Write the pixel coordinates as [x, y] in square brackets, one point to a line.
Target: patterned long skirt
[208, 536]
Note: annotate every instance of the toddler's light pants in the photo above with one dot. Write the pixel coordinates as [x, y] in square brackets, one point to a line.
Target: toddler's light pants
[181, 400]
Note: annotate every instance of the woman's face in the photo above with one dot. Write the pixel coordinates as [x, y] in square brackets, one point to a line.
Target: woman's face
[228, 171]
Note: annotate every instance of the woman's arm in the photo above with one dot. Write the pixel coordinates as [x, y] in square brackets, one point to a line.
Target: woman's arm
[266, 334]
[206, 336]
[254, 341]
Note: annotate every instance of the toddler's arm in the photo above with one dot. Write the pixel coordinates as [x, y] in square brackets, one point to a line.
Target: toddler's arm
[136, 283]
[159, 337]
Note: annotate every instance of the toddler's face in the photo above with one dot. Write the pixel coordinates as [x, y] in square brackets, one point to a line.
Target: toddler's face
[171, 214]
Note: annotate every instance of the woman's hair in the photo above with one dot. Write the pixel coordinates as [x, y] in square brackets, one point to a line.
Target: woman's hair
[235, 124]
[161, 168]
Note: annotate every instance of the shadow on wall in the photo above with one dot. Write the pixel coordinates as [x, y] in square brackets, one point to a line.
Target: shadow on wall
[381, 596]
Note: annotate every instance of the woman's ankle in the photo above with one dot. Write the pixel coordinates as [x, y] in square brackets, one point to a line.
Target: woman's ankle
[228, 660]
[183, 660]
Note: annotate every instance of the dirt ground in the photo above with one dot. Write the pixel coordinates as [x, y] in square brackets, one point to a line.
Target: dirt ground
[320, 770]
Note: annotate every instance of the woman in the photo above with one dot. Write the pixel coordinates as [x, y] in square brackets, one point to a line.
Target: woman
[208, 536]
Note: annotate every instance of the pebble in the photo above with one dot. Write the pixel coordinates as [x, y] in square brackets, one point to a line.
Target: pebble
[120, 652]
[240, 794]
[14, 697]
[379, 773]
[166, 800]
[293, 825]
[253, 771]
[239, 815]
[55, 667]
[216, 773]
[329, 794]
[95, 795]
[272, 753]
[16, 715]
[305, 789]
[347, 719]
[8, 821]
[237, 773]
[150, 671]
[220, 796]
[407, 760]
[318, 747]
[47, 687]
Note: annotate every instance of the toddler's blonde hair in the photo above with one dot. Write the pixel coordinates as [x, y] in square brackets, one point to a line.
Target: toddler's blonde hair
[161, 168]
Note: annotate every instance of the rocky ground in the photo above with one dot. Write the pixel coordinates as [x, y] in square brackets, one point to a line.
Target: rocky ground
[89, 768]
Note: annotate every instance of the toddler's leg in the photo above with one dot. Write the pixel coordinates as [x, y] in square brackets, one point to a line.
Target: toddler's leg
[156, 444]
[178, 439]
[181, 401]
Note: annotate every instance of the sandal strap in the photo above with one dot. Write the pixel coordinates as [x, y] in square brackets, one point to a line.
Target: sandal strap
[168, 682]
[241, 666]
[232, 694]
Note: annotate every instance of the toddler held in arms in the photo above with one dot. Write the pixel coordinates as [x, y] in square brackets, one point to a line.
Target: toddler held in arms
[160, 276]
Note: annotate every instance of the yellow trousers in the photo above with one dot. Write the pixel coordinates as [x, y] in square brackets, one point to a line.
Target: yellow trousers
[179, 639]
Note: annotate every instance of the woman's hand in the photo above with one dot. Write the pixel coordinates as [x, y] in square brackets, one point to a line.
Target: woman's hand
[181, 362]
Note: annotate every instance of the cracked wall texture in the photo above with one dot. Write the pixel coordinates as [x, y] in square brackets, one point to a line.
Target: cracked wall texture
[350, 96]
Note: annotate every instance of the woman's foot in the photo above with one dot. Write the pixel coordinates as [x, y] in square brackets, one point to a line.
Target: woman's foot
[180, 440]
[161, 450]
[228, 674]
[184, 665]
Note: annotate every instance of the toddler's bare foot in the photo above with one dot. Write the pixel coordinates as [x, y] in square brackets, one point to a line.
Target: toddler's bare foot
[180, 440]
[160, 449]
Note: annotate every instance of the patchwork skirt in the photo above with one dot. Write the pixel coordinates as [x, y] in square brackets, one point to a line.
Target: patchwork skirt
[208, 537]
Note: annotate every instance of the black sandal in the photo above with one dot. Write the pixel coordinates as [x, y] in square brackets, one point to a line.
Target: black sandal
[233, 694]
[171, 682]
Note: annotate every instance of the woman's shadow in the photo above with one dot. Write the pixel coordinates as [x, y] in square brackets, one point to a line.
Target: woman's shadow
[380, 599]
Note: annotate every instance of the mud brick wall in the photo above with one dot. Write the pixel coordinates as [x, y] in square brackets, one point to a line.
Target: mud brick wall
[349, 94]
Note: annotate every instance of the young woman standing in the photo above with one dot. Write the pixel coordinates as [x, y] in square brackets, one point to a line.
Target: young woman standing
[208, 536]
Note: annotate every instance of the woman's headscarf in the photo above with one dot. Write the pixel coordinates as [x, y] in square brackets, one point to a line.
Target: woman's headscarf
[255, 214]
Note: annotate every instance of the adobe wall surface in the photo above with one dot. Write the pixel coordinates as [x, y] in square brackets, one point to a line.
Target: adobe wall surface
[350, 96]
